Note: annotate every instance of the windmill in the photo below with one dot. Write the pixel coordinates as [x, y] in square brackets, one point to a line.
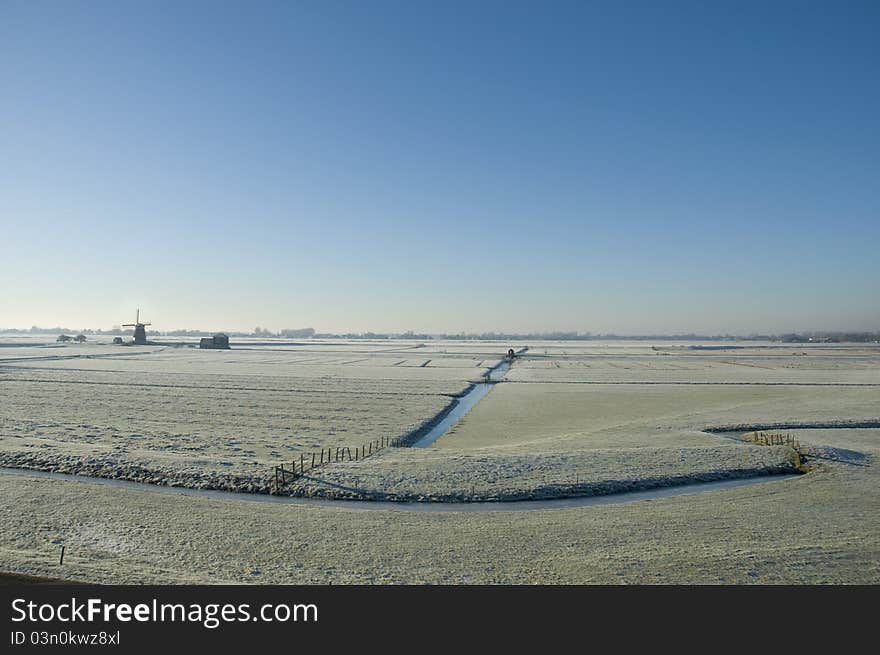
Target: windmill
[140, 334]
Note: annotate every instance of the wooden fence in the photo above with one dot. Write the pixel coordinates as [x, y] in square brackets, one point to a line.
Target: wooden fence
[285, 473]
[772, 439]
[309, 461]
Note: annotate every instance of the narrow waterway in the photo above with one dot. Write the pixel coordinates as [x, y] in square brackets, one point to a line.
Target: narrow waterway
[464, 404]
[370, 505]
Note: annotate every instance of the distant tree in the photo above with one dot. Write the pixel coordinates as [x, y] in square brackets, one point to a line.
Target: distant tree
[409, 334]
[63, 338]
[80, 338]
[297, 333]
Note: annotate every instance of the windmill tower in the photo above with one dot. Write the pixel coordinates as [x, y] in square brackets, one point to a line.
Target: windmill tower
[140, 334]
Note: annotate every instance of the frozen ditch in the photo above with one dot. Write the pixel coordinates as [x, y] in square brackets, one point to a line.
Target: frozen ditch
[489, 506]
[807, 451]
[864, 424]
[463, 405]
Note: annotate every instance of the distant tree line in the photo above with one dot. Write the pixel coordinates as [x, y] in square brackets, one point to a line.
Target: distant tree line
[309, 333]
[35, 329]
[260, 332]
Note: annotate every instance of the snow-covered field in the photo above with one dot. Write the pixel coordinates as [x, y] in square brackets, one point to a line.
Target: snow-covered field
[634, 415]
[581, 431]
[493, 474]
[571, 418]
[188, 415]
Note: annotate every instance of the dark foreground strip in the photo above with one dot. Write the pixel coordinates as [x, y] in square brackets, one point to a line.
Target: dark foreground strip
[330, 619]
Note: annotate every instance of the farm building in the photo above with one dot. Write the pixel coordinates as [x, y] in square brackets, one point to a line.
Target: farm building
[218, 341]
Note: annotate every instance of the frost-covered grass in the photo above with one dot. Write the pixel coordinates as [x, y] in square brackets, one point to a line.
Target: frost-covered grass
[190, 416]
[187, 413]
[823, 527]
[520, 474]
[634, 415]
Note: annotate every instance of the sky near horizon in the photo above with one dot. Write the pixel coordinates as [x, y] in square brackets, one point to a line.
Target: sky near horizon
[628, 167]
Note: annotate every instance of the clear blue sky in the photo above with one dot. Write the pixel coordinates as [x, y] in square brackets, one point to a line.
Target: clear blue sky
[622, 166]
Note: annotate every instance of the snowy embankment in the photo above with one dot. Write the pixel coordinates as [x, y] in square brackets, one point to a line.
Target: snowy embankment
[437, 476]
[399, 474]
[110, 468]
